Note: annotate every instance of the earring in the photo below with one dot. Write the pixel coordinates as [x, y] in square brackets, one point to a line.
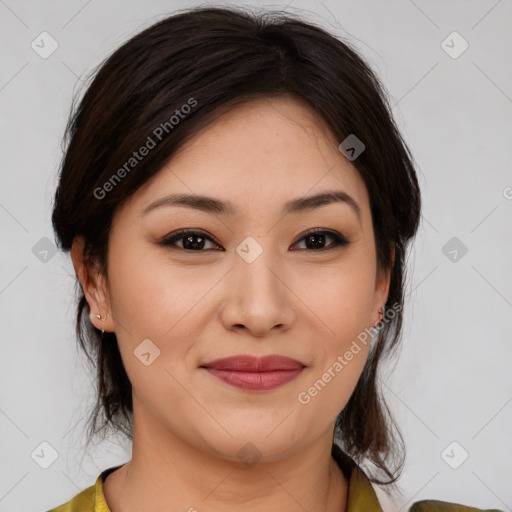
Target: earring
[381, 316]
[102, 331]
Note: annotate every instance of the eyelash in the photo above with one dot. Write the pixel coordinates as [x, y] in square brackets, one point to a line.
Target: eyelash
[339, 240]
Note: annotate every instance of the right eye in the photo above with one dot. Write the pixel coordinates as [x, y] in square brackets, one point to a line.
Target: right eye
[193, 241]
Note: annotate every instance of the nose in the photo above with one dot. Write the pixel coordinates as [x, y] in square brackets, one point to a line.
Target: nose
[257, 297]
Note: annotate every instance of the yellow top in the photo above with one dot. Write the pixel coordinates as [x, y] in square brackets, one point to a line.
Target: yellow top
[361, 498]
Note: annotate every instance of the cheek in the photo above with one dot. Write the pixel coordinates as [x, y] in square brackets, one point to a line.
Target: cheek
[341, 297]
[342, 302]
[165, 303]
[153, 297]
[333, 377]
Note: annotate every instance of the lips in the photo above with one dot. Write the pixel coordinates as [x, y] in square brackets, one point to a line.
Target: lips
[244, 363]
[255, 373]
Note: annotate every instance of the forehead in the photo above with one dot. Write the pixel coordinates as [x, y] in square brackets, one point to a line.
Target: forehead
[262, 154]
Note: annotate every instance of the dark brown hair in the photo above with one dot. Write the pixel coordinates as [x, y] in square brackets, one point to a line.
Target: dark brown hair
[213, 59]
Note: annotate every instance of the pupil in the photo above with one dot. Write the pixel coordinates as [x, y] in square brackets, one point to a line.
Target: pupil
[189, 242]
[317, 239]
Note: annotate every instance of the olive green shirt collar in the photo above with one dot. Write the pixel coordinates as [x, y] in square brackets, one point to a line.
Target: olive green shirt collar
[361, 495]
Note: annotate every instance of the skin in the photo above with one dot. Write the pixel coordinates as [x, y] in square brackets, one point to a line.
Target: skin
[307, 304]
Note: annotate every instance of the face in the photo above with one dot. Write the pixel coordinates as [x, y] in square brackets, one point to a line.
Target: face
[256, 271]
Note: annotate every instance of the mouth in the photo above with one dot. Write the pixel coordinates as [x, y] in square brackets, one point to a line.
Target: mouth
[255, 373]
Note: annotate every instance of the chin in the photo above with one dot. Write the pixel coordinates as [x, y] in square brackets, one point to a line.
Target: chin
[256, 441]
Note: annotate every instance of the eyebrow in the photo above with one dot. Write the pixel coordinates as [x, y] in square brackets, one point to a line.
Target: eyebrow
[216, 206]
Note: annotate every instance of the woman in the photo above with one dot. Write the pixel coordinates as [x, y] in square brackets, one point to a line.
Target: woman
[238, 202]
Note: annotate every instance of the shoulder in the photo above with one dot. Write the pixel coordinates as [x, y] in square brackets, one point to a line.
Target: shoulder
[91, 499]
[444, 506]
[362, 496]
[82, 502]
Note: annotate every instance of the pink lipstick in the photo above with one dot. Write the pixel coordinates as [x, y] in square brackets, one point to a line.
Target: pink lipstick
[255, 373]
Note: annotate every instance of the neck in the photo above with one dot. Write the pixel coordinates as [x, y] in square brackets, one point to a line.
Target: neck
[166, 470]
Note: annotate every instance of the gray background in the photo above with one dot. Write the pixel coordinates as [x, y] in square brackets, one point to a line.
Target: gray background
[452, 381]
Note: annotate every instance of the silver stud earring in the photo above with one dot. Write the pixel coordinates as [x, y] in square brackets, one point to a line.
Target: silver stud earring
[102, 331]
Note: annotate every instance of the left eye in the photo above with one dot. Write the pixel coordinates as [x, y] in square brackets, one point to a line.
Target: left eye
[192, 240]
[195, 241]
[315, 238]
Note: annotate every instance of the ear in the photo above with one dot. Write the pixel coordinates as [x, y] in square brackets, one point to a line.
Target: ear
[382, 282]
[94, 287]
